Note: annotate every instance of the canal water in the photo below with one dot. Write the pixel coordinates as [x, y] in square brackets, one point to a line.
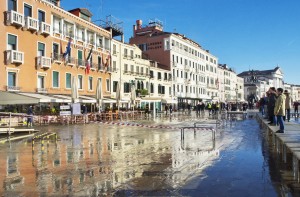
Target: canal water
[144, 158]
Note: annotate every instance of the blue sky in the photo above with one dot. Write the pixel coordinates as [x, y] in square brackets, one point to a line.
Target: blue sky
[244, 34]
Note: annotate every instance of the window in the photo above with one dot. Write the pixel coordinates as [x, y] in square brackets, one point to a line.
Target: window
[55, 79]
[27, 10]
[99, 62]
[12, 5]
[41, 15]
[41, 81]
[151, 74]
[115, 83]
[90, 83]
[125, 52]
[151, 88]
[11, 42]
[41, 49]
[126, 87]
[12, 79]
[132, 68]
[131, 53]
[68, 80]
[79, 56]
[159, 75]
[80, 82]
[114, 49]
[107, 85]
[55, 51]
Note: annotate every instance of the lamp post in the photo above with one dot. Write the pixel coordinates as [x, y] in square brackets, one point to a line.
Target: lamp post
[236, 97]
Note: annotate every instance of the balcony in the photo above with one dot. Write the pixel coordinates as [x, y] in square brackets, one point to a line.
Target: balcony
[44, 28]
[41, 90]
[13, 88]
[71, 61]
[31, 24]
[14, 57]
[57, 58]
[187, 68]
[14, 18]
[44, 62]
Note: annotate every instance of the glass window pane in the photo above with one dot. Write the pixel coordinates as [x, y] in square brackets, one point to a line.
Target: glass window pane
[12, 5]
[27, 10]
[55, 82]
[11, 79]
[41, 16]
[68, 80]
[12, 39]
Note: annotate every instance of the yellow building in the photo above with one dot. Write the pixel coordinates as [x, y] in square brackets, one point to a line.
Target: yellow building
[35, 54]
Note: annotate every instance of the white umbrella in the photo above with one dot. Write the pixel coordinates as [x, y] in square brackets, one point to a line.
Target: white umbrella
[133, 95]
[118, 95]
[74, 90]
[99, 94]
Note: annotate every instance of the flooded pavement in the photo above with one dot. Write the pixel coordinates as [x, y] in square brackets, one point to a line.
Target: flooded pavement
[143, 158]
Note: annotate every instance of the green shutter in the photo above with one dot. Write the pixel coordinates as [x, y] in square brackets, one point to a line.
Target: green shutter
[12, 39]
[80, 55]
[41, 47]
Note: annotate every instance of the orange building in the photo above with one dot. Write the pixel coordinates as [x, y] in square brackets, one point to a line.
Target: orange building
[45, 46]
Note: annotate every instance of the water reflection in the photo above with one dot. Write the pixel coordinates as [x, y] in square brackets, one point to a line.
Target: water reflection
[100, 159]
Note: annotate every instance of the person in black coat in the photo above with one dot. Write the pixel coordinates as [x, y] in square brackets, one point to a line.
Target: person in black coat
[271, 105]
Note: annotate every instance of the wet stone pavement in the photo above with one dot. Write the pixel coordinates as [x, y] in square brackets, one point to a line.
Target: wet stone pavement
[100, 159]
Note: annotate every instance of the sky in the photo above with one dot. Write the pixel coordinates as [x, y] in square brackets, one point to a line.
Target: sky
[244, 34]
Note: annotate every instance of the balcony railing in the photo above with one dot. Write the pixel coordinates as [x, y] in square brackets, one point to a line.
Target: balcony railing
[44, 28]
[14, 57]
[44, 62]
[57, 58]
[14, 18]
[71, 61]
[31, 23]
[13, 88]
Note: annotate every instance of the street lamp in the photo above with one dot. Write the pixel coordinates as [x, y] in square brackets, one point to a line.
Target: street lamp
[236, 97]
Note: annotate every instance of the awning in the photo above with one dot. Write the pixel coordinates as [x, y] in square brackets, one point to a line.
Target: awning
[10, 98]
[169, 101]
[151, 99]
[82, 99]
[107, 100]
[43, 98]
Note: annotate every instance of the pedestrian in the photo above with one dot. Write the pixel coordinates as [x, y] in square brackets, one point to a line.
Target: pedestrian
[288, 101]
[271, 105]
[279, 110]
[171, 109]
[30, 116]
[296, 104]
[262, 103]
[166, 109]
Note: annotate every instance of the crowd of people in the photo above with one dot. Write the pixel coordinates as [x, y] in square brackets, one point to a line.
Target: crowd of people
[276, 106]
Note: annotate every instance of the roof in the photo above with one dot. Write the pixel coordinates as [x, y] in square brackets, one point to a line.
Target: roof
[258, 72]
[84, 11]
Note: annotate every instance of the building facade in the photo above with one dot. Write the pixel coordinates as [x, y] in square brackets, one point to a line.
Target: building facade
[46, 46]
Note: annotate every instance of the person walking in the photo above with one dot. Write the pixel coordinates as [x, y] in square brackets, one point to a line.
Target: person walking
[279, 110]
[271, 104]
[166, 109]
[288, 103]
[296, 104]
[30, 116]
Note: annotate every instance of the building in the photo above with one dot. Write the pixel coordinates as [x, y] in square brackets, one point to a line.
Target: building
[193, 69]
[47, 46]
[257, 82]
[151, 83]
